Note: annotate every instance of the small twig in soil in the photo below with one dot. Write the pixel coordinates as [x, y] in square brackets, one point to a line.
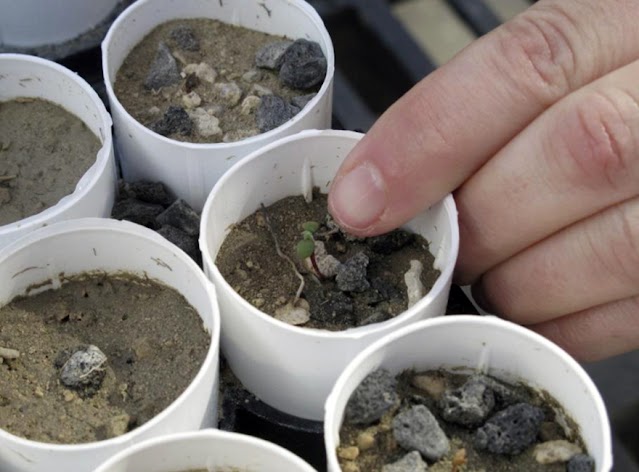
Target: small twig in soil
[282, 255]
[9, 354]
[4, 178]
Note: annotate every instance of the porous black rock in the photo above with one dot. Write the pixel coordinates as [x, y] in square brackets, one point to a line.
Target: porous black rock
[581, 463]
[301, 101]
[329, 306]
[273, 111]
[164, 70]
[303, 65]
[174, 121]
[149, 192]
[136, 211]
[182, 240]
[271, 55]
[417, 429]
[351, 275]
[185, 38]
[373, 397]
[511, 430]
[468, 405]
[180, 215]
[84, 370]
[390, 242]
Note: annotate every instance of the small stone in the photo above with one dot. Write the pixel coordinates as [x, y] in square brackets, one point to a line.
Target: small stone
[136, 211]
[5, 195]
[417, 429]
[69, 396]
[326, 263]
[9, 354]
[154, 111]
[581, 463]
[118, 425]
[292, 315]
[191, 100]
[250, 104]
[411, 462]
[373, 397]
[505, 395]
[391, 242]
[185, 38]
[174, 121]
[349, 453]
[433, 384]
[84, 370]
[202, 71]
[149, 192]
[142, 348]
[260, 90]
[303, 65]
[351, 275]
[229, 93]
[302, 100]
[206, 124]
[252, 76]
[258, 302]
[38, 392]
[350, 467]
[272, 112]
[182, 216]
[511, 430]
[240, 134]
[271, 55]
[468, 405]
[414, 287]
[184, 241]
[551, 452]
[164, 69]
[365, 440]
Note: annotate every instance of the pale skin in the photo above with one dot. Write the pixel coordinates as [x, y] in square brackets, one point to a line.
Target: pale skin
[535, 128]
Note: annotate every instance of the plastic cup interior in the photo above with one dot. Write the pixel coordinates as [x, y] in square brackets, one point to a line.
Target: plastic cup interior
[489, 345]
[39, 261]
[211, 450]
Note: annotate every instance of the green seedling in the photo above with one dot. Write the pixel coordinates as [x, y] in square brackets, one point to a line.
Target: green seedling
[306, 246]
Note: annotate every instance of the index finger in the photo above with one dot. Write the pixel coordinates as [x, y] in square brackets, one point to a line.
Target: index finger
[449, 124]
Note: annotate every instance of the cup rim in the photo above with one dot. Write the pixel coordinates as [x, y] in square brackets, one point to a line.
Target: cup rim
[355, 333]
[94, 172]
[331, 440]
[253, 140]
[125, 227]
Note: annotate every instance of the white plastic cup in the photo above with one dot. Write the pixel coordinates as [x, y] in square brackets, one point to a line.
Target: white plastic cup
[212, 450]
[90, 244]
[190, 169]
[32, 23]
[288, 367]
[487, 344]
[28, 76]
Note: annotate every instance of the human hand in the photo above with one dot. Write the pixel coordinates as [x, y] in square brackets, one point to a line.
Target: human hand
[536, 128]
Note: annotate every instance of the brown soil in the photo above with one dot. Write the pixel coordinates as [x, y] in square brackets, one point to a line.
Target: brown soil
[154, 341]
[229, 49]
[386, 450]
[44, 151]
[250, 264]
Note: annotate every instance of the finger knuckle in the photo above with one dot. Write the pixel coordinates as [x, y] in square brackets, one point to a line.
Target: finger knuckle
[535, 49]
[600, 138]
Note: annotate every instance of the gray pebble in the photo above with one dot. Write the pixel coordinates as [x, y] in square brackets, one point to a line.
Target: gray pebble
[270, 56]
[181, 216]
[302, 100]
[149, 192]
[417, 429]
[136, 211]
[164, 69]
[373, 397]
[228, 93]
[272, 112]
[175, 120]
[84, 369]
[468, 405]
[511, 430]
[504, 394]
[581, 463]
[303, 65]
[182, 240]
[411, 462]
[185, 38]
[351, 275]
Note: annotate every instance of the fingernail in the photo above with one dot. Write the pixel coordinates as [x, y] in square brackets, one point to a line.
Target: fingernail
[359, 198]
